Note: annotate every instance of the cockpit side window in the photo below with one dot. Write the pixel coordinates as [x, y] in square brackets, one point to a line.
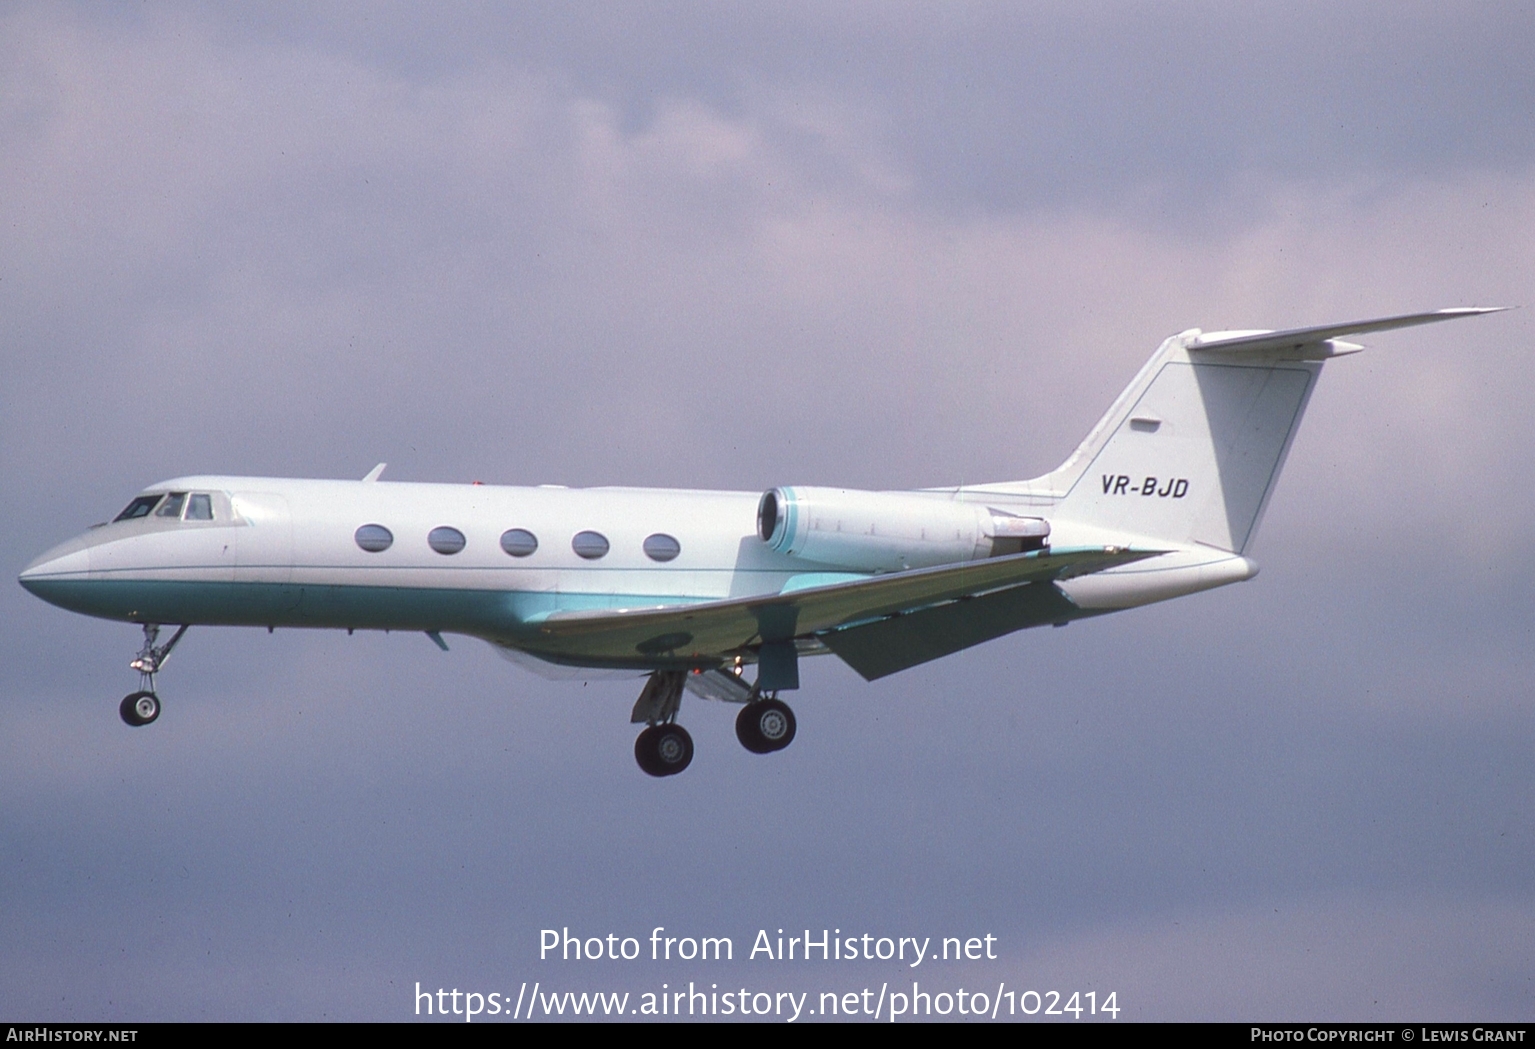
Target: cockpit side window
[200, 507]
[140, 507]
[172, 505]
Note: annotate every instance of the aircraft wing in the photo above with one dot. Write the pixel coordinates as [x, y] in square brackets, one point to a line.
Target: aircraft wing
[687, 634]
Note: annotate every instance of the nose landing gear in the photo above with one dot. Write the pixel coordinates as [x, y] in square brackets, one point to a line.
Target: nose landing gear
[139, 708]
[142, 707]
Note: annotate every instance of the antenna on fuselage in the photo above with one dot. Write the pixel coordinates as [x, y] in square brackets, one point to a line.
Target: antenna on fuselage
[373, 474]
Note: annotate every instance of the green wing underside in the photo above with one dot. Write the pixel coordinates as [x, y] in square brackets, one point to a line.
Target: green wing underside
[878, 625]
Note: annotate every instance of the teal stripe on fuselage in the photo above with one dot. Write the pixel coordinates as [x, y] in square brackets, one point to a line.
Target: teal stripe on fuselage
[506, 614]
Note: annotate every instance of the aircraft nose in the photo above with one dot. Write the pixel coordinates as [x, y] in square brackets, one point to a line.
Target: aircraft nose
[69, 561]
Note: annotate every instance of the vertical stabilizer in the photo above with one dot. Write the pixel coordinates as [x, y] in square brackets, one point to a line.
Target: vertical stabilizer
[1191, 450]
[1194, 456]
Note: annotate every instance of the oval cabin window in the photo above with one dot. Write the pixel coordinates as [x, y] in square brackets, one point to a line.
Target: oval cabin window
[374, 538]
[590, 545]
[662, 547]
[519, 542]
[445, 540]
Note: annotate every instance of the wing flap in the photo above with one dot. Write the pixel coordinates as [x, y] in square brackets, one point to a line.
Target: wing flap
[898, 642]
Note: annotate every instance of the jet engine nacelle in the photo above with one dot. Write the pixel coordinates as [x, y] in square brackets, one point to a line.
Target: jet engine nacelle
[889, 531]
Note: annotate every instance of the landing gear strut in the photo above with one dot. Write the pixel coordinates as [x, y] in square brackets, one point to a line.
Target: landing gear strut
[664, 748]
[765, 726]
[142, 707]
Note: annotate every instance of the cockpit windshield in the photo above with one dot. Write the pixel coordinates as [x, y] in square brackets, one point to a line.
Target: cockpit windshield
[183, 506]
[140, 507]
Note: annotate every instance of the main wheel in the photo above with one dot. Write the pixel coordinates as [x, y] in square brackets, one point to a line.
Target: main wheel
[664, 750]
[765, 726]
[139, 708]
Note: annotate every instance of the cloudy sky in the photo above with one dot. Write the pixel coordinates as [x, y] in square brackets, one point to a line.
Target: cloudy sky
[870, 245]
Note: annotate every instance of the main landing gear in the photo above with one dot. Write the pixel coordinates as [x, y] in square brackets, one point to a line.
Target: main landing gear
[142, 707]
[664, 748]
[765, 726]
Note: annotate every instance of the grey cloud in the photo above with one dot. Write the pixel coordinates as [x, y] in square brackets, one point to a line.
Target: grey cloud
[995, 106]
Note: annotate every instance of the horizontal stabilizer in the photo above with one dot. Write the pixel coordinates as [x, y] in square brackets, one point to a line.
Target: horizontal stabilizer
[1296, 338]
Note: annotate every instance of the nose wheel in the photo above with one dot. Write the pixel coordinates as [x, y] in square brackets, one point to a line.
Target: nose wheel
[765, 726]
[139, 708]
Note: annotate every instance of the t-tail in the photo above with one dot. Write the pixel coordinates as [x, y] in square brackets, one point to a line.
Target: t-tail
[1189, 453]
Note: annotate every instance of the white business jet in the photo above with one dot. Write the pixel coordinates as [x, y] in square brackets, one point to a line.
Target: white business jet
[690, 588]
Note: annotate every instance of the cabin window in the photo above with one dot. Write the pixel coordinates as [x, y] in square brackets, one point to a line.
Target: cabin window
[140, 507]
[662, 547]
[172, 505]
[445, 540]
[519, 542]
[374, 538]
[200, 507]
[590, 545]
